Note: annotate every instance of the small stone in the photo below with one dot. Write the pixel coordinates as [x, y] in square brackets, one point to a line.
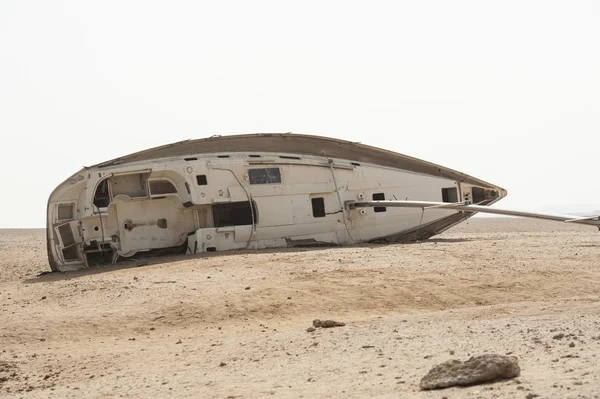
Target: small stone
[327, 323]
[247, 288]
[559, 336]
[531, 395]
[572, 345]
[222, 364]
[310, 329]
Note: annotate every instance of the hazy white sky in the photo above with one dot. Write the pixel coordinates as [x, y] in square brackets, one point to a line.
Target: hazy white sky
[508, 92]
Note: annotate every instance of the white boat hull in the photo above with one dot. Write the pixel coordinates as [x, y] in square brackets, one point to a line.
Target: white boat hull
[193, 201]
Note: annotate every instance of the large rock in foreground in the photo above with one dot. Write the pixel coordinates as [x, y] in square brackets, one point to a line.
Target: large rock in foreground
[476, 370]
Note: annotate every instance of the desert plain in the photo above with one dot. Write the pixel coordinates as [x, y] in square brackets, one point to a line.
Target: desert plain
[234, 325]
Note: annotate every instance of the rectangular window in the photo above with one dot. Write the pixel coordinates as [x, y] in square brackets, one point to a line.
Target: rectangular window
[65, 212]
[450, 194]
[66, 235]
[201, 180]
[71, 253]
[264, 176]
[318, 207]
[234, 214]
[379, 197]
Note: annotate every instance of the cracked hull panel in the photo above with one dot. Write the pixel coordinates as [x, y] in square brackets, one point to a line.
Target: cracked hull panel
[237, 192]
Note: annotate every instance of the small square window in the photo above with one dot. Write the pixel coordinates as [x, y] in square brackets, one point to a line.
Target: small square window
[65, 212]
[318, 207]
[379, 197]
[450, 194]
[201, 180]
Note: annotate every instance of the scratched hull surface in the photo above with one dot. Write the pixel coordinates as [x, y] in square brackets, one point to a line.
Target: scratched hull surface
[248, 191]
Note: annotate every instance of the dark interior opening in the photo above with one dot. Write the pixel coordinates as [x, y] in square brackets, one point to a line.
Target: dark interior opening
[478, 195]
[102, 196]
[288, 157]
[71, 253]
[379, 197]
[97, 254]
[234, 214]
[201, 180]
[450, 194]
[190, 159]
[318, 207]
[66, 235]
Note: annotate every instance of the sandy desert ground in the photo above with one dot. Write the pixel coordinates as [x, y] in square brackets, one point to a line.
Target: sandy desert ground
[233, 325]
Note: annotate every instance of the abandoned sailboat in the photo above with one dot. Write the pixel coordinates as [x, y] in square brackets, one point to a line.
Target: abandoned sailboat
[254, 191]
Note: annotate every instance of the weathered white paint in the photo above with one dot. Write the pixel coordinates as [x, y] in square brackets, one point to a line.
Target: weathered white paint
[141, 222]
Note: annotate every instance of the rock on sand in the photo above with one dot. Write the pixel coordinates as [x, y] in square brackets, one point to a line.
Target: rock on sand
[474, 371]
